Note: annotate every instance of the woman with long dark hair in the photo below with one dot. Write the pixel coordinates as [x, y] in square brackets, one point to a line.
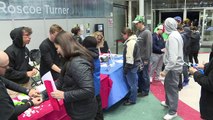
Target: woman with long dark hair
[76, 84]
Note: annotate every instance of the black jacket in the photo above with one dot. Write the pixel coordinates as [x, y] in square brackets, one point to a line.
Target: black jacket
[158, 43]
[206, 83]
[19, 58]
[195, 42]
[8, 110]
[49, 57]
[186, 35]
[78, 85]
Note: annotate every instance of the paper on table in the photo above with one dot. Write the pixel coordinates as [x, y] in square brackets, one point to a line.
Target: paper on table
[50, 87]
[48, 76]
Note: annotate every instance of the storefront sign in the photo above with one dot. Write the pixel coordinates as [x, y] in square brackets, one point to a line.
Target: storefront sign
[38, 9]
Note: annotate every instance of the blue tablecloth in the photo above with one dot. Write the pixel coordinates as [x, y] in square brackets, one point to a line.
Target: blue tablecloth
[115, 72]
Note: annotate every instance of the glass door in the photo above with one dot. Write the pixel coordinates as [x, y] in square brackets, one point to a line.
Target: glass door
[207, 27]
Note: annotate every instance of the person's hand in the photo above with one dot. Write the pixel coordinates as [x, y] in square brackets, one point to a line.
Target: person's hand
[163, 50]
[163, 74]
[146, 62]
[34, 93]
[200, 66]
[192, 70]
[35, 71]
[30, 73]
[37, 100]
[57, 94]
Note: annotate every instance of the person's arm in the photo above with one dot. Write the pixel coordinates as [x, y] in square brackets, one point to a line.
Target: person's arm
[19, 109]
[148, 47]
[14, 86]
[204, 81]
[56, 68]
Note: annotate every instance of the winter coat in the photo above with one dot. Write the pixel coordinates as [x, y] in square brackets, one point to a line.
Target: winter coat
[131, 54]
[78, 86]
[195, 42]
[97, 67]
[206, 83]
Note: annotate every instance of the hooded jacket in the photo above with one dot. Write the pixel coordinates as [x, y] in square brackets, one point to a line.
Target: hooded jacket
[97, 67]
[173, 57]
[18, 57]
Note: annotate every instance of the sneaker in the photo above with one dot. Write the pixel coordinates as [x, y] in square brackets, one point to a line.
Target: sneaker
[128, 103]
[163, 103]
[169, 117]
[143, 94]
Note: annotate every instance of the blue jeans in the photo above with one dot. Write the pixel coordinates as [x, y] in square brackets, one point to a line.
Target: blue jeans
[143, 80]
[132, 81]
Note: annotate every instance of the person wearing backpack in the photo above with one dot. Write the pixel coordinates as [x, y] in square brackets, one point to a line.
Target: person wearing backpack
[186, 35]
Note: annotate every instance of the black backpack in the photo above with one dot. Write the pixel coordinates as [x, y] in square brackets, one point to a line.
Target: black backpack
[35, 56]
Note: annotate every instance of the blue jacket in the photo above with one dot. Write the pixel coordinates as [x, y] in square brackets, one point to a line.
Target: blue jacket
[96, 73]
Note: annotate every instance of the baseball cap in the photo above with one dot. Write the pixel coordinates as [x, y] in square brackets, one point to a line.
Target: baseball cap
[138, 19]
[178, 18]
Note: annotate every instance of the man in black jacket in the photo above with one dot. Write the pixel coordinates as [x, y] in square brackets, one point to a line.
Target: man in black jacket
[8, 110]
[20, 71]
[50, 60]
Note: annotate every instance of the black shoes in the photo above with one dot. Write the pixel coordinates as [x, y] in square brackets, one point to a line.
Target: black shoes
[126, 103]
[143, 94]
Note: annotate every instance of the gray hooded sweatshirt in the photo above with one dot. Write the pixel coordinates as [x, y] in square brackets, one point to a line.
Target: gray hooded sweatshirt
[173, 57]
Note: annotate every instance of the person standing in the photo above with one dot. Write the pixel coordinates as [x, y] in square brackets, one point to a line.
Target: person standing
[144, 41]
[76, 84]
[91, 44]
[157, 54]
[186, 36]
[8, 110]
[50, 60]
[20, 71]
[206, 82]
[194, 45]
[77, 34]
[173, 60]
[131, 63]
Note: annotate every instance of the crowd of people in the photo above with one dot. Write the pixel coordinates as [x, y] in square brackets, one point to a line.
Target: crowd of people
[75, 66]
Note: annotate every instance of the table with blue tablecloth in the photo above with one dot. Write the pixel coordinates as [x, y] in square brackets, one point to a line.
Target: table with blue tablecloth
[114, 70]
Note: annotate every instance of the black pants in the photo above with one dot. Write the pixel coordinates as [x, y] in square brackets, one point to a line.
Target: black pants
[99, 115]
[193, 55]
